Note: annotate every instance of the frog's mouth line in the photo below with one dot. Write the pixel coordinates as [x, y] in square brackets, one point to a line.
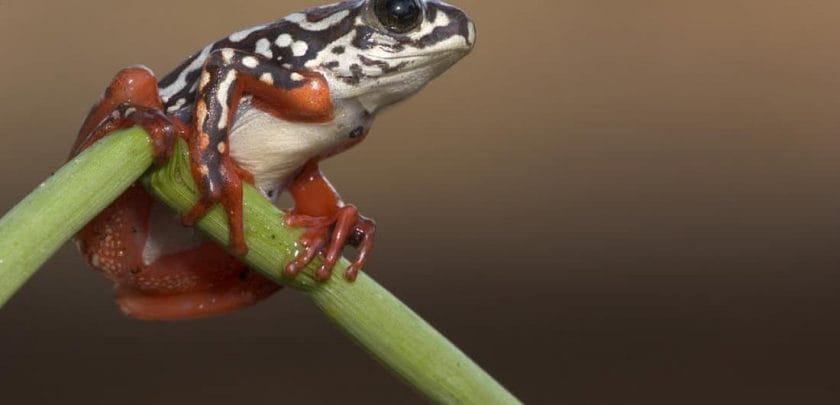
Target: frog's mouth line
[406, 68]
[454, 47]
[424, 59]
[430, 55]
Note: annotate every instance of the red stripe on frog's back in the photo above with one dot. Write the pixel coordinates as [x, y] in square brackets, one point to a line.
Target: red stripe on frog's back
[199, 279]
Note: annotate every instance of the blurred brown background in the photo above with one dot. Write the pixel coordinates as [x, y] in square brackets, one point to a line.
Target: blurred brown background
[607, 202]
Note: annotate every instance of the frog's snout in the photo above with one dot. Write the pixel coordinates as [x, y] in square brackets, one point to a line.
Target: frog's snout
[470, 33]
[457, 18]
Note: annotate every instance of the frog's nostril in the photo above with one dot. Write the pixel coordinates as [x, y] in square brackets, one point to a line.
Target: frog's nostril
[470, 34]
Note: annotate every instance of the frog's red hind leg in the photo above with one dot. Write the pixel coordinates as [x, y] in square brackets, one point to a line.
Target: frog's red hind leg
[189, 281]
[195, 280]
[131, 99]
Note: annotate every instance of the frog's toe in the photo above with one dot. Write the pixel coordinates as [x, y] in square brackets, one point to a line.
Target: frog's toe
[329, 236]
[163, 131]
[225, 188]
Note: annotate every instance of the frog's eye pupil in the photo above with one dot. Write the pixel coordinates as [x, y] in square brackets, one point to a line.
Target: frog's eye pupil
[399, 16]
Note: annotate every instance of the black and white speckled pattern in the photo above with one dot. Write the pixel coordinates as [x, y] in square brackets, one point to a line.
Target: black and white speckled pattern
[343, 41]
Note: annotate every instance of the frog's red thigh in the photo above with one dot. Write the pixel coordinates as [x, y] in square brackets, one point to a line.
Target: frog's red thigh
[194, 281]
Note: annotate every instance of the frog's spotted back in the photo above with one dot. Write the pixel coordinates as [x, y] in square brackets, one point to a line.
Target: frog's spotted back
[351, 43]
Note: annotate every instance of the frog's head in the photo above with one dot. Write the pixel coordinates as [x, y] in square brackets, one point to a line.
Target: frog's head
[393, 49]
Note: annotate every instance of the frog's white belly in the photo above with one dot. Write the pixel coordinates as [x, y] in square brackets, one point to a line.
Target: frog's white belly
[273, 149]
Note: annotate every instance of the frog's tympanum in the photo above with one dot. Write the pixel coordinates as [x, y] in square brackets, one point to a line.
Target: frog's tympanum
[261, 106]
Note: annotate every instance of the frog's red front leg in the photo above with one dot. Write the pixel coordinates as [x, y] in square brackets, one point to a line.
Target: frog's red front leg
[331, 224]
[227, 75]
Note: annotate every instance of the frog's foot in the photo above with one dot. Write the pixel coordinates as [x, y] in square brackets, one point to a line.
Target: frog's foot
[223, 186]
[131, 99]
[227, 296]
[161, 129]
[329, 236]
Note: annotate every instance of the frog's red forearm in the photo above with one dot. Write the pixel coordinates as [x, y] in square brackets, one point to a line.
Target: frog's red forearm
[227, 75]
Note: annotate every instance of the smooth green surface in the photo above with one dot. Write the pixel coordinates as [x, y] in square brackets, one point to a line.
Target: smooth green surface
[32, 231]
[375, 319]
[58, 208]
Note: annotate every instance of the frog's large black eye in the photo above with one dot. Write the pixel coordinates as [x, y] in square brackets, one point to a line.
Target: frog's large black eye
[398, 16]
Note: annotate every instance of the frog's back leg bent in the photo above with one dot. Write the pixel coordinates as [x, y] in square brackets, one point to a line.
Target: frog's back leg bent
[191, 281]
[131, 99]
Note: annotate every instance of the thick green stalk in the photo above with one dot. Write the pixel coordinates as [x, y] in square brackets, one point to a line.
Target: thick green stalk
[380, 323]
[368, 313]
[40, 224]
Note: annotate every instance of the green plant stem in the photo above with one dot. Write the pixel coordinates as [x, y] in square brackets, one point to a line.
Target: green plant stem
[60, 206]
[368, 313]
